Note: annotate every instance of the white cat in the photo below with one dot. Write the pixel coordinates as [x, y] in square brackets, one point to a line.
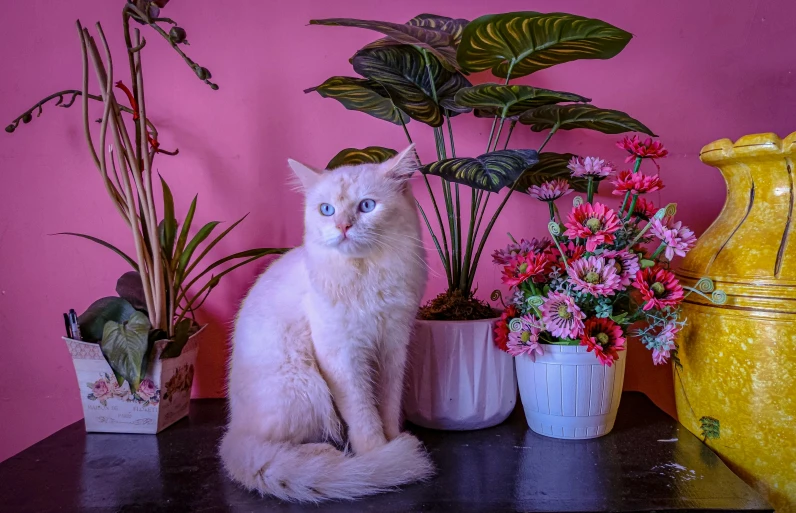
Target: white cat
[324, 331]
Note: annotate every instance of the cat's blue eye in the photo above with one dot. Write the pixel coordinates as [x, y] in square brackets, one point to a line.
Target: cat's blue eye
[367, 205]
[326, 209]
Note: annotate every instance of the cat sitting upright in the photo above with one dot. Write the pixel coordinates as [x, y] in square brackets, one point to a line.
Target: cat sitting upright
[324, 331]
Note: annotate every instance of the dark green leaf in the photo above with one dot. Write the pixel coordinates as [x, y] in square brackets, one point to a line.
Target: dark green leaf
[533, 41]
[107, 245]
[183, 238]
[644, 263]
[402, 72]
[130, 288]
[362, 95]
[125, 346]
[510, 100]
[568, 117]
[169, 223]
[209, 247]
[551, 166]
[451, 26]
[92, 321]
[182, 332]
[354, 156]
[438, 43]
[490, 172]
[185, 257]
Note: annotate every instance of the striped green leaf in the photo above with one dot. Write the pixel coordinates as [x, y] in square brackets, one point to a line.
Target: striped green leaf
[453, 27]
[569, 117]
[355, 156]
[490, 171]
[362, 95]
[436, 42]
[551, 166]
[526, 42]
[510, 100]
[402, 71]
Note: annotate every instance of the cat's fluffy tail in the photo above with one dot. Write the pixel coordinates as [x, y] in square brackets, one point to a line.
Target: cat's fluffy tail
[317, 472]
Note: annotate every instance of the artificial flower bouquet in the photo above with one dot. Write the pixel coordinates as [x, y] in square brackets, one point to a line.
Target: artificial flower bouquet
[602, 271]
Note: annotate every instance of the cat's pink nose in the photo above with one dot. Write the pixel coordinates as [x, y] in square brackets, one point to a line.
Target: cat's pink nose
[343, 228]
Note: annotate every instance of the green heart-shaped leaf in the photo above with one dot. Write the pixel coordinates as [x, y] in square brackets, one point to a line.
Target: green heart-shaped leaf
[568, 117]
[511, 100]
[526, 42]
[363, 95]
[551, 166]
[436, 42]
[451, 26]
[125, 345]
[402, 72]
[490, 171]
[355, 157]
[92, 321]
[130, 288]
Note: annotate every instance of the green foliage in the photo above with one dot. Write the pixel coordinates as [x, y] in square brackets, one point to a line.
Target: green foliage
[510, 100]
[520, 43]
[354, 156]
[92, 321]
[451, 26]
[125, 345]
[362, 95]
[569, 117]
[490, 172]
[551, 166]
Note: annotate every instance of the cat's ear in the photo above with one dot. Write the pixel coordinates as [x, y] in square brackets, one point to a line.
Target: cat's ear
[402, 166]
[305, 174]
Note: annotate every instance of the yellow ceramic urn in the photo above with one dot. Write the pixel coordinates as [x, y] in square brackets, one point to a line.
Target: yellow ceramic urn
[735, 373]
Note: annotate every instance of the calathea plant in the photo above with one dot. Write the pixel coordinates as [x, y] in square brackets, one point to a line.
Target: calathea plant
[158, 298]
[417, 72]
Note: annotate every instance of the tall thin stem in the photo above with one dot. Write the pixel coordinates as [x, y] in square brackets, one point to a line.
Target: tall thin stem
[511, 131]
[459, 253]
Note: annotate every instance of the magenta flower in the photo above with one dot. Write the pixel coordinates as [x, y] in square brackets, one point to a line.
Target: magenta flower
[664, 342]
[595, 223]
[522, 248]
[526, 341]
[561, 316]
[626, 264]
[659, 288]
[648, 149]
[636, 183]
[678, 238]
[604, 337]
[590, 166]
[550, 191]
[595, 275]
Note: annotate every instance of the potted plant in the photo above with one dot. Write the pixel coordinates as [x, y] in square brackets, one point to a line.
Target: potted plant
[134, 353]
[457, 378]
[576, 296]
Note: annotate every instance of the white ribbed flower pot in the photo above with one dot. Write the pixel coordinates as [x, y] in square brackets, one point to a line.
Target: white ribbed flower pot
[568, 393]
[456, 377]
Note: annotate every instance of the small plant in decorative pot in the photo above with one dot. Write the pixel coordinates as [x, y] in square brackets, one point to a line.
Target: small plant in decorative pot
[577, 297]
[134, 354]
[457, 378]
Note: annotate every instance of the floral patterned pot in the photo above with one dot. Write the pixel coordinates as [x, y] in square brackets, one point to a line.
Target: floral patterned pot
[567, 393]
[161, 400]
[456, 377]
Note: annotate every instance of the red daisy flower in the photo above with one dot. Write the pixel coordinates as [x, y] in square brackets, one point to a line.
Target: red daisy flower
[648, 149]
[604, 337]
[644, 209]
[502, 327]
[658, 287]
[525, 267]
[572, 252]
[636, 183]
[595, 223]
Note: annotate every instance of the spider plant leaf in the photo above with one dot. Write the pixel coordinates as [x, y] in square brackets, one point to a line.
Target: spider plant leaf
[526, 42]
[183, 238]
[490, 171]
[106, 244]
[168, 226]
[185, 257]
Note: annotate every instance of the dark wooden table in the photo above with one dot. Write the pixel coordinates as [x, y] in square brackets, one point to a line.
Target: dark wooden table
[649, 462]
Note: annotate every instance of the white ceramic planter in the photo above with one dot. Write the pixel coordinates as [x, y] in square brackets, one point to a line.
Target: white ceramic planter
[568, 393]
[457, 378]
[161, 400]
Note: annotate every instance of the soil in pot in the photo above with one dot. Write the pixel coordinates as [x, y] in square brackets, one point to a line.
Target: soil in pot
[454, 305]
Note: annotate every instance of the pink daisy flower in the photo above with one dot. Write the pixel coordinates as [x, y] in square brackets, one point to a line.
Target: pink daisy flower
[636, 183]
[648, 149]
[659, 288]
[526, 341]
[550, 191]
[590, 166]
[514, 249]
[561, 316]
[678, 238]
[595, 223]
[604, 337]
[626, 263]
[665, 342]
[595, 276]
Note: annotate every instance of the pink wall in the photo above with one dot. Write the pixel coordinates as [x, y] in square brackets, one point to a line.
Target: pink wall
[695, 72]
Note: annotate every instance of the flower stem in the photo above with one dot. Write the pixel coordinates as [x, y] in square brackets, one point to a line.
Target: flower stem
[632, 207]
[658, 251]
[552, 210]
[590, 189]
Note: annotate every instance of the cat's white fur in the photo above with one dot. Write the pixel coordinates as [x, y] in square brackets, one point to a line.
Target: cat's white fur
[322, 338]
